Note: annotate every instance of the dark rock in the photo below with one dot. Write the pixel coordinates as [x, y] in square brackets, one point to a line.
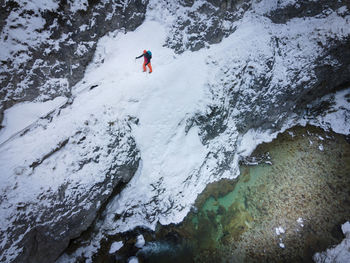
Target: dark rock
[304, 8]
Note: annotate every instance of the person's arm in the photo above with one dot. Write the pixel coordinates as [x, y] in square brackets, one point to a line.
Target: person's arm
[139, 56]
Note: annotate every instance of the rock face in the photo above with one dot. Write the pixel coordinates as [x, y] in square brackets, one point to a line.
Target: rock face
[46, 48]
[98, 162]
[202, 23]
[278, 86]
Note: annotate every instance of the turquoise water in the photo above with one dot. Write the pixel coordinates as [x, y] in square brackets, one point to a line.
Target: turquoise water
[305, 191]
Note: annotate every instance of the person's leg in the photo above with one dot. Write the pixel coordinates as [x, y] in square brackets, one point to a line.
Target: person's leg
[150, 67]
[144, 67]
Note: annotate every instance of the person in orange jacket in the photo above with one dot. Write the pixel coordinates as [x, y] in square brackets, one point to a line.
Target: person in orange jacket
[147, 55]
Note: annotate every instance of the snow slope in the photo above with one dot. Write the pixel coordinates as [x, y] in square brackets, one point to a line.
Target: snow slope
[162, 101]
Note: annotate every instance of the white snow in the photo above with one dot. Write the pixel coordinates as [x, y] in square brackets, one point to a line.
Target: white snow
[40, 4]
[346, 228]
[337, 118]
[291, 134]
[81, 50]
[252, 138]
[76, 5]
[162, 101]
[133, 260]
[115, 247]
[21, 115]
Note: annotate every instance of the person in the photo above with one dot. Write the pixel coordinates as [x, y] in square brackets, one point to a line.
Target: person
[147, 55]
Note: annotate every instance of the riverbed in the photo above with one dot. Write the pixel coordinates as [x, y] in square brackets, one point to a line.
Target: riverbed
[289, 202]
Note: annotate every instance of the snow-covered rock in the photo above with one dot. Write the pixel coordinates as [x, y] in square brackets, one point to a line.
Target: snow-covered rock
[140, 242]
[338, 254]
[56, 189]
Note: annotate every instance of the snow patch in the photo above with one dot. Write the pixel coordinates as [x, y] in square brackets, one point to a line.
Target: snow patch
[115, 247]
[77, 5]
[133, 260]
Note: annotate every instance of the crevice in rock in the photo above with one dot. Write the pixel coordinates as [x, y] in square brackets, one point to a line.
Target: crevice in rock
[87, 234]
[59, 147]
